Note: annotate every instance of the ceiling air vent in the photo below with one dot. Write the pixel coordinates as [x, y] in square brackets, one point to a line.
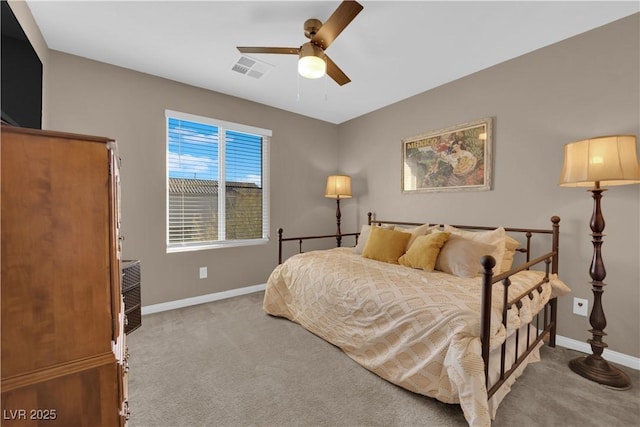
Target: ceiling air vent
[251, 67]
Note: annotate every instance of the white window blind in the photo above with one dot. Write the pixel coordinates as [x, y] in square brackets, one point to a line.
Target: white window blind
[217, 175]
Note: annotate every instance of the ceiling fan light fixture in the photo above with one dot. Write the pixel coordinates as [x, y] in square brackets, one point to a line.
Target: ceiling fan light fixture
[312, 63]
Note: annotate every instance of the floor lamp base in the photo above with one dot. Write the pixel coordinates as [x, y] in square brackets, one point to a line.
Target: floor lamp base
[599, 370]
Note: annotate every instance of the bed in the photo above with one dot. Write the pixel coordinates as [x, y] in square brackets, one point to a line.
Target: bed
[458, 325]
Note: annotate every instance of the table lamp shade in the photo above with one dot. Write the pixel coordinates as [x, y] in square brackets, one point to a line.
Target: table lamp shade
[338, 187]
[609, 160]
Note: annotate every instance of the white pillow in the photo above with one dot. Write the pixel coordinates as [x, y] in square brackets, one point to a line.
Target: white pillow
[496, 238]
[510, 247]
[362, 239]
[461, 257]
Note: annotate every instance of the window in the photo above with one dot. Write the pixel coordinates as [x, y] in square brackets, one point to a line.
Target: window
[217, 183]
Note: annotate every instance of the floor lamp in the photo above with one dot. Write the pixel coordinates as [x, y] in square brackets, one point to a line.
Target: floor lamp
[338, 187]
[596, 162]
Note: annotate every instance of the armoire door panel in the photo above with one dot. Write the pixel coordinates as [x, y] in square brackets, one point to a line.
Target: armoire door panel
[55, 252]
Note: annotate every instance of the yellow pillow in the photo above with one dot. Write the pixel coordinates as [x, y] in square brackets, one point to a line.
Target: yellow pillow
[424, 251]
[385, 245]
[420, 230]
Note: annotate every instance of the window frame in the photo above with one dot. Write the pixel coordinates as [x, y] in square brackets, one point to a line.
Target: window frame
[222, 126]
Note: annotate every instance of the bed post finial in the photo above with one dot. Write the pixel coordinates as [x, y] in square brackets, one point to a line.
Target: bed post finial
[369, 216]
[487, 262]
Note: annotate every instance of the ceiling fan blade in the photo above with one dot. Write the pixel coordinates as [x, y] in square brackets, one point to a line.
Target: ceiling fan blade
[336, 73]
[337, 22]
[280, 50]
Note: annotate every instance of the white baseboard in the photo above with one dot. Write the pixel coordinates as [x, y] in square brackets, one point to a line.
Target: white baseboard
[609, 355]
[186, 302]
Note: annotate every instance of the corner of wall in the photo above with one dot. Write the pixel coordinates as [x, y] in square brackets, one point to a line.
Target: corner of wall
[30, 27]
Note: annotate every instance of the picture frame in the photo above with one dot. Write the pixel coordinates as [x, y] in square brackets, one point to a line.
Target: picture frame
[456, 158]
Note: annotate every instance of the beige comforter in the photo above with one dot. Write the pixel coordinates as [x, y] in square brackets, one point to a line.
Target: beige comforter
[415, 329]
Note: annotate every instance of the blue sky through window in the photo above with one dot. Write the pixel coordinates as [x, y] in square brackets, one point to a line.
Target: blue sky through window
[243, 157]
[193, 152]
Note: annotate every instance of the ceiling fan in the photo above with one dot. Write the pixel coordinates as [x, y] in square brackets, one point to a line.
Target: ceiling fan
[313, 62]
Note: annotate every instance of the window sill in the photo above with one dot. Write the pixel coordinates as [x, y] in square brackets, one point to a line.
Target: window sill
[217, 245]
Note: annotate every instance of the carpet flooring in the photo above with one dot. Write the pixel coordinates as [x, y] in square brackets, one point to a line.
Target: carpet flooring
[227, 363]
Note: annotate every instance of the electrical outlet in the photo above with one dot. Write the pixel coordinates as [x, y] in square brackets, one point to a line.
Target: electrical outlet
[580, 306]
[203, 272]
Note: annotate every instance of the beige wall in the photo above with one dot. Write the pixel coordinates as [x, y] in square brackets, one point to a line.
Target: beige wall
[95, 98]
[582, 87]
[30, 28]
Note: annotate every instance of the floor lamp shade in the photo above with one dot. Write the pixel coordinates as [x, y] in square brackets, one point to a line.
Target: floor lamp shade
[606, 161]
[338, 187]
[609, 160]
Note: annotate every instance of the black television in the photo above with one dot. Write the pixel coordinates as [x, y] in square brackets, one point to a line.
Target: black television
[21, 70]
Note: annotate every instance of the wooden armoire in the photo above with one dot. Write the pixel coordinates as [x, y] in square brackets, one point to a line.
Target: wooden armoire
[63, 344]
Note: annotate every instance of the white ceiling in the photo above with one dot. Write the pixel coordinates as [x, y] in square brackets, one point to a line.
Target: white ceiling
[391, 51]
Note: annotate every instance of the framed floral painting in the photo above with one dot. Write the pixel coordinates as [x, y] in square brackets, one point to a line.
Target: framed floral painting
[452, 159]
